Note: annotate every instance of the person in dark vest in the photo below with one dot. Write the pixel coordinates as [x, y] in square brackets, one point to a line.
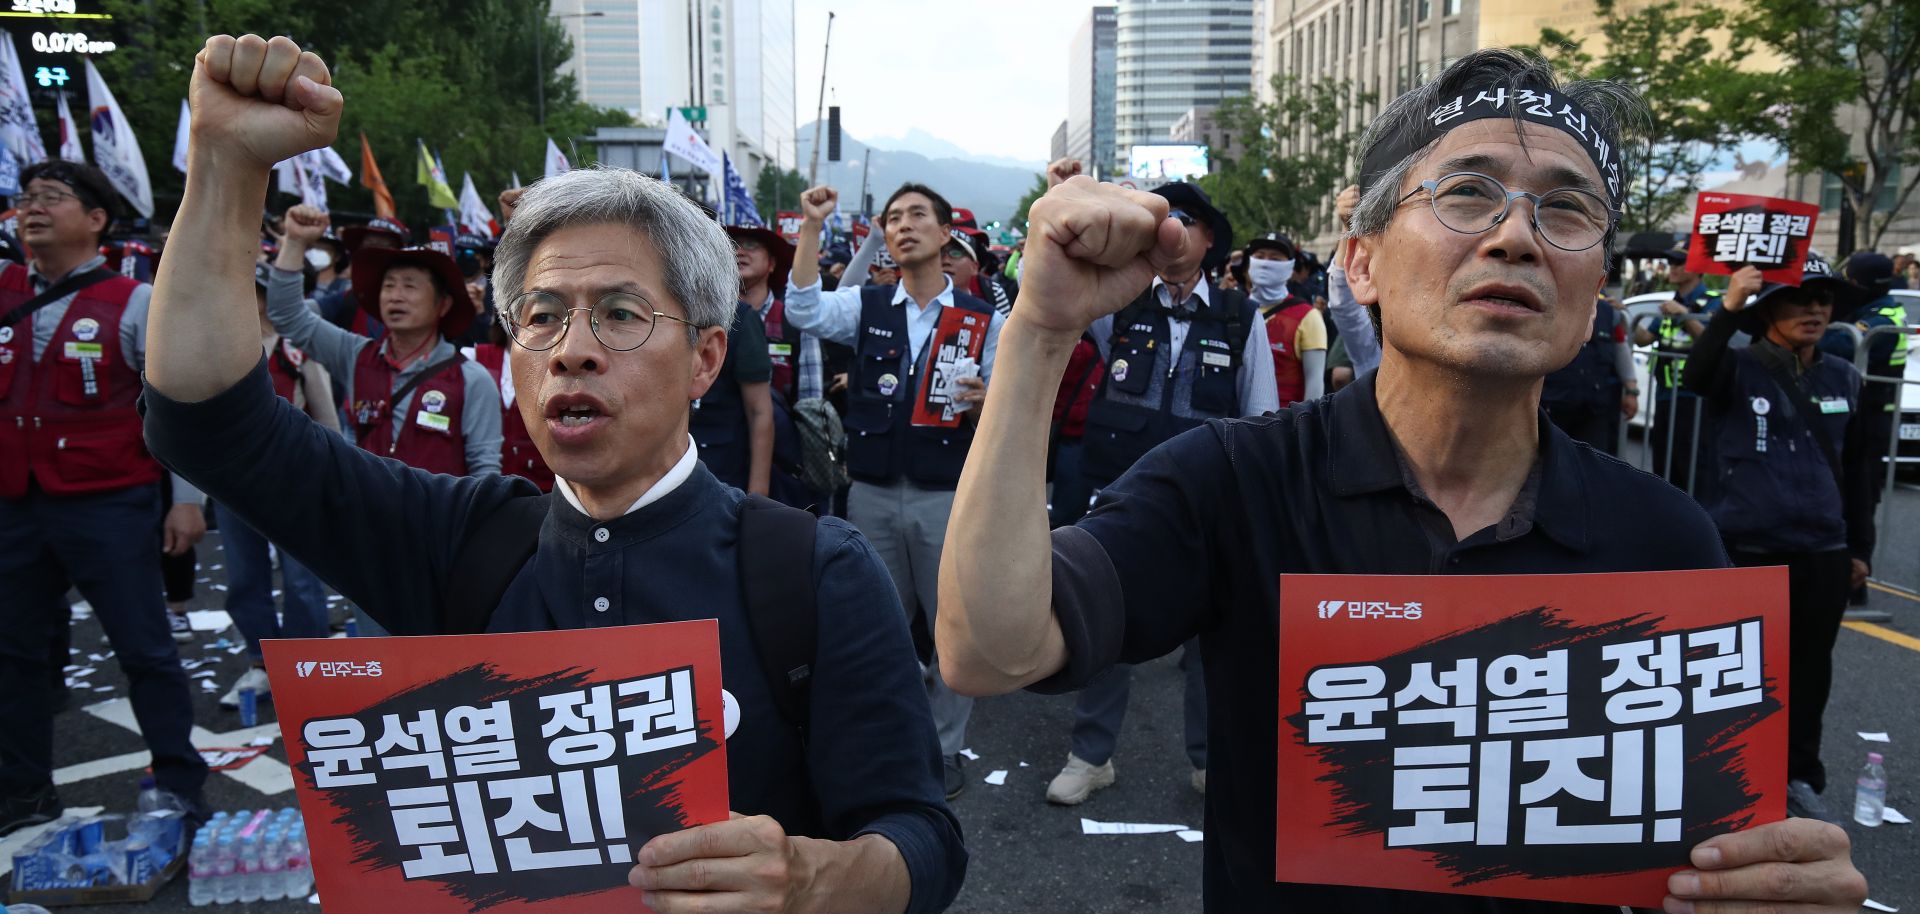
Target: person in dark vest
[302, 382]
[618, 293]
[1677, 452]
[1590, 396]
[1181, 353]
[80, 497]
[449, 420]
[1296, 330]
[764, 260]
[903, 475]
[1787, 428]
[1868, 303]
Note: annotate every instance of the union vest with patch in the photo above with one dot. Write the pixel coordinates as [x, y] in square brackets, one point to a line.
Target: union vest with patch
[518, 456]
[1283, 328]
[431, 436]
[783, 348]
[1775, 490]
[882, 443]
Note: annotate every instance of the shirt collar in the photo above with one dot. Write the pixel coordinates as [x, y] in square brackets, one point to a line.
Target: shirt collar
[668, 482]
[945, 298]
[1201, 288]
[1364, 459]
[33, 271]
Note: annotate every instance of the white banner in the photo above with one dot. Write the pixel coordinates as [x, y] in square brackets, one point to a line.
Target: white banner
[556, 161]
[473, 210]
[114, 148]
[69, 134]
[683, 142]
[17, 127]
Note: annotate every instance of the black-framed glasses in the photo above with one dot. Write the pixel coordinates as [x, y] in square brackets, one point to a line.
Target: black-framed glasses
[45, 198]
[1568, 218]
[621, 321]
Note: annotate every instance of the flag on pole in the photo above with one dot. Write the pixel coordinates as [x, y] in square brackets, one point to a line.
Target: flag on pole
[312, 182]
[180, 137]
[434, 178]
[9, 172]
[683, 142]
[370, 179]
[18, 129]
[69, 134]
[739, 200]
[474, 216]
[115, 149]
[288, 180]
[329, 165]
[556, 161]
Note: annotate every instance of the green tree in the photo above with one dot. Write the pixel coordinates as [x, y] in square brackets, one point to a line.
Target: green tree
[1688, 68]
[458, 74]
[1291, 155]
[1035, 192]
[1850, 73]
[778, 189]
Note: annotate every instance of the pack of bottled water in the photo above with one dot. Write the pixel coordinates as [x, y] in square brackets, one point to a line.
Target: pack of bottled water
[248, 856]
[99, 851]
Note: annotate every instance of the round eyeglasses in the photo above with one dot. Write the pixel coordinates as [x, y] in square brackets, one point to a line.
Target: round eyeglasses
[1568, 218]
[622, 322]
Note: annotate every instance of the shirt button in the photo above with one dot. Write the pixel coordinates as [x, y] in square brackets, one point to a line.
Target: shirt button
[600, 534]
[600, 604]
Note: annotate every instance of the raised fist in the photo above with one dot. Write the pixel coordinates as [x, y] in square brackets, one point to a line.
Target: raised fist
[258, 102]
[304, 225]
[509, 201]
[818, 203]
[1061, 170]
[1091, 249]
[1344, 204]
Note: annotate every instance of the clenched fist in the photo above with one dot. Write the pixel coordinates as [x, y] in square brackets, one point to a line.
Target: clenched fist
[1061, 170]
[305, 224]
[257, 102]
[818, 203]
[1091, 249]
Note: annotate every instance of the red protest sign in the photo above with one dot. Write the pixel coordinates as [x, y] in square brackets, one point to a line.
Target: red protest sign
[440, 239]
[1554, 737]
[1733, 230]
[961, 334]
[789, 225]
[452, 773]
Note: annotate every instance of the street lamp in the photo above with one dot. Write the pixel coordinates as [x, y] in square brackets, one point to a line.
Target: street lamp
[540, 69]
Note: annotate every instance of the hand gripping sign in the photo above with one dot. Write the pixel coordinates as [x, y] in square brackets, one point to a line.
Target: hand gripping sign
[958, 341]
[1733, 230]
[456, 773]
[1555, 737]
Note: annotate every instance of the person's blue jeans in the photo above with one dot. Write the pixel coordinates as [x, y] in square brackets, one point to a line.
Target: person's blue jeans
[250, 588]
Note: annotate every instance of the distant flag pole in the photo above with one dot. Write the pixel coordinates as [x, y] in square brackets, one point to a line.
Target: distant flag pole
[370, 179]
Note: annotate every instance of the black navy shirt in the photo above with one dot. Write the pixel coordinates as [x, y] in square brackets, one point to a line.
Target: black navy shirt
[384, 534]
[1193, 540]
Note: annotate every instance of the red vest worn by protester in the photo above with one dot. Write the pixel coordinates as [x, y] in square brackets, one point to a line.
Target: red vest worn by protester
[518, 456]
[69, 422]
[1288, 371]
[283, 366]
[784, 352]
[431, 438]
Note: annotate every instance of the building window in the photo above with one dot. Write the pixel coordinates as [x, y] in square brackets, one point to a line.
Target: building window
[1452, 7]
[1426, 10]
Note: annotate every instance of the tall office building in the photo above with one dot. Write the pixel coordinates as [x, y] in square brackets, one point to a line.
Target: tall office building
[1091, 78]
[1173, 56]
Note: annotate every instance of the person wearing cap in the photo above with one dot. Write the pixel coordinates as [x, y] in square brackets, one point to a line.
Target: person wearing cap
[339, 305]
[1296, 330]
[843, 814]
[80, 496]
[410, 395]
[1676, 410]
[960, 259]
[305, 384]
[1786, 427]
[1438, 462]
[1180, 353]
[764, 260]
[903, 475]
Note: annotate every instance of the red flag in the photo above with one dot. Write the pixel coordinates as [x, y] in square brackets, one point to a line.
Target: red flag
[371, 180]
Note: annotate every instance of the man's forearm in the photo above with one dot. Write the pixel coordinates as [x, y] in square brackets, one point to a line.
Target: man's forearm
[202, 333]
[996, 630]
[865, 874]
[806, 255]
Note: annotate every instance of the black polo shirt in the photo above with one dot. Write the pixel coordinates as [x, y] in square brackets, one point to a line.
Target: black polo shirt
[1192, 541]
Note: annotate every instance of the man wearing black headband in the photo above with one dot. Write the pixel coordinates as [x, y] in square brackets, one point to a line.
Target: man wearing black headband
[79, 494]
[1487, 200]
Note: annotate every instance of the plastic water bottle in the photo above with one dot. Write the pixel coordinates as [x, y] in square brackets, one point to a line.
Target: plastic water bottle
[273, 867]
[298, 874]
[249, 707]
[247, 871]
[226, 858]
[153, 799]
[199, 871]
[1870, 793]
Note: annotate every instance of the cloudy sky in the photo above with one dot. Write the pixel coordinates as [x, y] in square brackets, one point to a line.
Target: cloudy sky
[987, 75]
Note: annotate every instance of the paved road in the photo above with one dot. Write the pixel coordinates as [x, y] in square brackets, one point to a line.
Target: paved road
[1030, 856]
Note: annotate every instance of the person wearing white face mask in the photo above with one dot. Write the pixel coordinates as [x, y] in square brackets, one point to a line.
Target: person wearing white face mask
[1296, 330]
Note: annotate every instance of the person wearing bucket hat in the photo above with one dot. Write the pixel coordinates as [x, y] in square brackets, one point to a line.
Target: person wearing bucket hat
[1785, 421]
[410, 395]
[732, 422]
[1296, 330]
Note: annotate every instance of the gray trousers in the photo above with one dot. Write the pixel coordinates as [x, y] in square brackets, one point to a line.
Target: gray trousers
[1101, 708]
[907, 526]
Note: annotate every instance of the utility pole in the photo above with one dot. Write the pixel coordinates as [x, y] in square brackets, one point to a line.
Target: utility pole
[865, 164]
[820, 107]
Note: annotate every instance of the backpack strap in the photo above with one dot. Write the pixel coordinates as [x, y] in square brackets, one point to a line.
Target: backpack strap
[495, 551]
[776, 579]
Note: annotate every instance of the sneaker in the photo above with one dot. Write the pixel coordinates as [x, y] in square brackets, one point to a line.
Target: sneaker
[1803, 802]
[254, 678]
[182, 629]
[28, 810]
[956, 776]
[1200, 781]
[1078, 780]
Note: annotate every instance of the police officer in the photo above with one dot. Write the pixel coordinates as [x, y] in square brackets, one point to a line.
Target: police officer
[764, 260]
[1785, 419]
[1676, 411]
[1590, 396]
[447, 421]
[80, 501]
[903, 475]
[1181, 353]
[1296, 330]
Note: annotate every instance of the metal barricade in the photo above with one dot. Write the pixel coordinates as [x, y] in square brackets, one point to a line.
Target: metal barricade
[1863, 344]
[1661, 464]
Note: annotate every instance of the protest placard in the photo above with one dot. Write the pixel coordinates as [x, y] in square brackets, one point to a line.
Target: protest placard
[1555, 737]
[957, 341]
[1733, 230]
[456, 773]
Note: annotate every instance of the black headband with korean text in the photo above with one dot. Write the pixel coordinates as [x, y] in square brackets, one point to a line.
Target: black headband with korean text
[1535, 104]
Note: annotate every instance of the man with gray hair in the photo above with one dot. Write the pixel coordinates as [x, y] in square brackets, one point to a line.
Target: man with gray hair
[640, 532]
[1480, 237]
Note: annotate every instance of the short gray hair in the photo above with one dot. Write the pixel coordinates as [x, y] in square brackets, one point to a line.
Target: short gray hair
[1616, 111]
[696, 252]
